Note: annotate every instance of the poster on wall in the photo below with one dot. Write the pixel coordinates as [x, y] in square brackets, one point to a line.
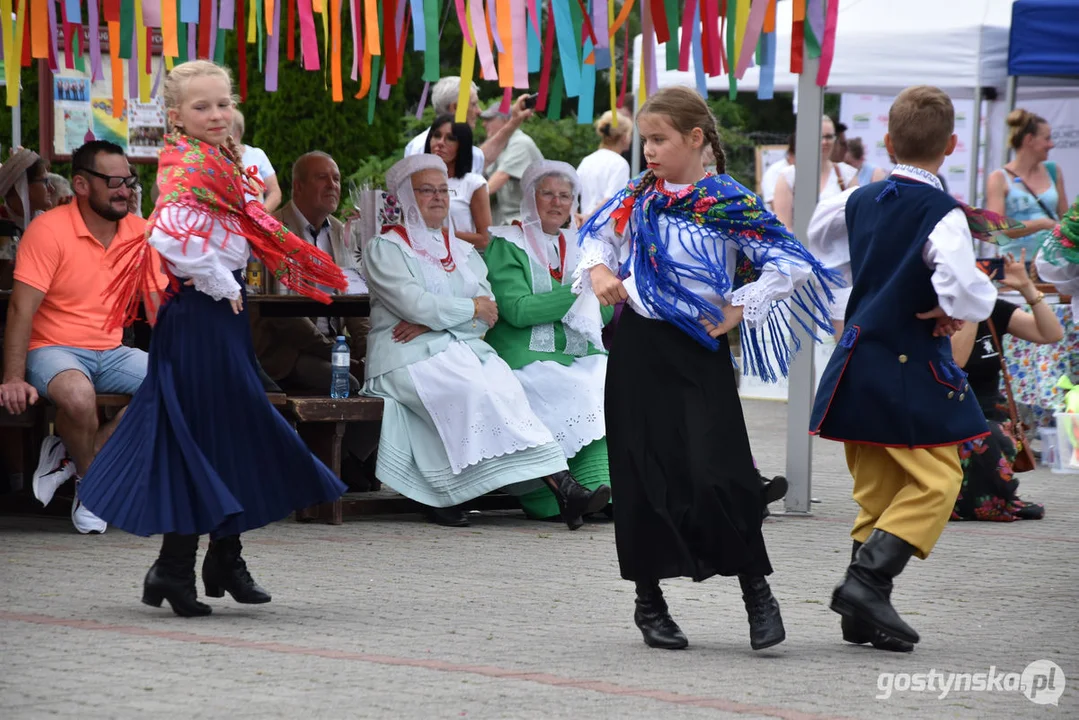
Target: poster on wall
[82, 107]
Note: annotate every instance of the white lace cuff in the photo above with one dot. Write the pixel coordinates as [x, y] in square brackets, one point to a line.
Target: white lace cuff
[593, 252]
[756, 302]
[585, 318]
[220, 284]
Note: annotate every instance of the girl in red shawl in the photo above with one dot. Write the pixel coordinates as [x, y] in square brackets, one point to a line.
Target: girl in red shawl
[200, 449]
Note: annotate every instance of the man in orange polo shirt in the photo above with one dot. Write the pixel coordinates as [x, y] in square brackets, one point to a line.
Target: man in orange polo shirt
[56, 345]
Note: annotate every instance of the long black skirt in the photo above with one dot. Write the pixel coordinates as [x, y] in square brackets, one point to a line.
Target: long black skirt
[687, 498]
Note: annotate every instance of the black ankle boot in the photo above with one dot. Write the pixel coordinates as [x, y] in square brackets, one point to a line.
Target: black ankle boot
[224, 570]
[172, 577]
[447, 517]
[575, 500]
[865, 593]
[765, 622]
[859, 633]
[655, 622]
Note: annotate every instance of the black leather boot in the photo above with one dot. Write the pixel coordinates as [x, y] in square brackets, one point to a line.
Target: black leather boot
[865, 593]
[224, 570]
[655, 622]
[859, 633]
[172, 577]
[765, 622]
[447, 517]
[575, 500]
[774, 490]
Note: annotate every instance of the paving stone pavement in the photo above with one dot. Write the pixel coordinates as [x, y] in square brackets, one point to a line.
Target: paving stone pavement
[390, 617]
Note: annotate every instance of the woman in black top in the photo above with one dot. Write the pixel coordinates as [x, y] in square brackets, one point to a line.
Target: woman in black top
[989, 484]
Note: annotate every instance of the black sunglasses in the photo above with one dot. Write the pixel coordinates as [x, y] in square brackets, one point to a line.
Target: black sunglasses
[113, 182]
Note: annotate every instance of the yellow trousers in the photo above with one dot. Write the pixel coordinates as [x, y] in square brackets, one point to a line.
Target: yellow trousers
[909, 493]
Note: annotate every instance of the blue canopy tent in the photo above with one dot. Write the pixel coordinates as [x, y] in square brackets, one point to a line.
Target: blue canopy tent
[1043, 38]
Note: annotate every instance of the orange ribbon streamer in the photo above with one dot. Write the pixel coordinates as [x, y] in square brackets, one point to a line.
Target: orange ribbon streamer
[335, 51]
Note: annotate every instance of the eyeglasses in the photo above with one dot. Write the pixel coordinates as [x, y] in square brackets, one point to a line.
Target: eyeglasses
[426, 191]
[113, 182]
[550, 195]
[827, 137]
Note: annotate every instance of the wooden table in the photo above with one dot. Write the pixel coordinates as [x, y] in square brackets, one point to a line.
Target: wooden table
[299, 306]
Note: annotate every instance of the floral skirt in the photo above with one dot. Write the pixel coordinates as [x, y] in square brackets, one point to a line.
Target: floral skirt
[989, 483]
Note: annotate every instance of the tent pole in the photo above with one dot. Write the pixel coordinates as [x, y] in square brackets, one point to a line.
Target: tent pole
[16, 125]
[1010, 99]
[801, 383]
[635, 148]
[975, 149]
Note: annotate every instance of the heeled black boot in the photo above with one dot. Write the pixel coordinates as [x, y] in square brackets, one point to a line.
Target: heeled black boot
[224, 570]
[865, 593]
[172, 577]
[765, 623]
[860, 633]
[654, 620]
[574, 499]
[774, 490]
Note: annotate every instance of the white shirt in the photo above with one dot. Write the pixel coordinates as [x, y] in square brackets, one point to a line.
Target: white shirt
[964, 291]
[255, 157]
[321, 239]
[415, 147]
[461, 190]
[831, 187]
[769, 180]
[602, 175]
[755, 297]
[1065, 278]
[211, 267]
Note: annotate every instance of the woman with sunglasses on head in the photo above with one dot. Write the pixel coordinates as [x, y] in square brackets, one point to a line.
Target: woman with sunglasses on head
[470, 202]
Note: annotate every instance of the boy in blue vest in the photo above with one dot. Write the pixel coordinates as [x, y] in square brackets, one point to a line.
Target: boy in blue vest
[892, 392]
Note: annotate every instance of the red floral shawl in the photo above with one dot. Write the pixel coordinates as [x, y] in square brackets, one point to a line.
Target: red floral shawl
[209, 180]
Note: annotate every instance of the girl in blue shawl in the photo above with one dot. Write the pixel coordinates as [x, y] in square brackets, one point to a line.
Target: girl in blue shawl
[687, 499]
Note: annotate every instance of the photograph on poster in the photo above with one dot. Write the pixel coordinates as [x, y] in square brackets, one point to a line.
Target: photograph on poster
[70, 89]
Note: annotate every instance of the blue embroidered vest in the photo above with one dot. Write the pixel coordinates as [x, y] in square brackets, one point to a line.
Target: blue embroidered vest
[890, 382]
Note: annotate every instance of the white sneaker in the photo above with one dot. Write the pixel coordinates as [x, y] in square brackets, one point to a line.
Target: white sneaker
[84, 520]
[54, 468]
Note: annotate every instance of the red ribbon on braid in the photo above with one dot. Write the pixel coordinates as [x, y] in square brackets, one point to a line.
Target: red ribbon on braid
[202, 184]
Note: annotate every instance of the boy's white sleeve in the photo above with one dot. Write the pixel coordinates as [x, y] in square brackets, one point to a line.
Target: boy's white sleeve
[1064, 277]
[827, 240]
[963, 291]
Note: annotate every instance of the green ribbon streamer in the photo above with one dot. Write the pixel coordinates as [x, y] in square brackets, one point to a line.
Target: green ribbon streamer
[127, 27]
[259, 29]
[219, 48]
[673, 22]
[181, 35]
[812, 42]
[554, 103]
[431, 16]
[80, 60]
[376, 82]
[732, 59]
[578, 23]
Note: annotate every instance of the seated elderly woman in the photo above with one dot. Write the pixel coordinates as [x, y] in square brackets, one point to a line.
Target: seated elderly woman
[530, 265]
[456, 422]
[989, 483]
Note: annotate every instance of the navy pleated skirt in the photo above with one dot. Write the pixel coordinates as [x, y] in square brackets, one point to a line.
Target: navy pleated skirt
[200, 448]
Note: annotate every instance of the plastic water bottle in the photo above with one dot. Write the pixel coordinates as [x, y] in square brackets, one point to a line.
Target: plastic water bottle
[339, 358]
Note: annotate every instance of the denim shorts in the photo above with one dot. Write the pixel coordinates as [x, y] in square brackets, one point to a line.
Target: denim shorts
[120, 370]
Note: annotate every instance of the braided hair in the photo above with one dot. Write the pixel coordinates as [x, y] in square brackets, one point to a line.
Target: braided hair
[685, 110]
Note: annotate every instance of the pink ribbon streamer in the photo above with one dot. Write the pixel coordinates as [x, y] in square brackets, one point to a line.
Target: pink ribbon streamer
[273, 52]
[151, 13]
[53, 66]
[533, 14]
[462, 20]
[648, 47]
[357, 39]
[492, 9]
[753, 32]
[92, 19]
[213, 28]
[827, 53]
[226, 19]
[483, 42]
[688, 16]
[507, 100]
[383, 88]
[423, 101]
[308, 39]
[518, 11]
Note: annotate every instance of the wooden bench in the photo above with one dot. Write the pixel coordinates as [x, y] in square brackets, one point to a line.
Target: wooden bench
[321, 422]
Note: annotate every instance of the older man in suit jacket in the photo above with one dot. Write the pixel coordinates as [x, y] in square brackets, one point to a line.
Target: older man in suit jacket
[295, 352]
